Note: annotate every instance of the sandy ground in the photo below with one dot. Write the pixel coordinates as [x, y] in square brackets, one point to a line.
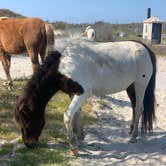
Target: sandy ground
[20, 67]
[106, 143]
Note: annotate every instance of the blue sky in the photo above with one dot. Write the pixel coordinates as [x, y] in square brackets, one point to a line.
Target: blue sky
[79, 11]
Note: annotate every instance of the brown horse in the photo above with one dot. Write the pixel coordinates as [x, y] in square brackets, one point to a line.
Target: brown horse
[21, 35]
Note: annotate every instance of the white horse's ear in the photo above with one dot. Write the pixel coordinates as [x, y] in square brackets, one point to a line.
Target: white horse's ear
[88, 27]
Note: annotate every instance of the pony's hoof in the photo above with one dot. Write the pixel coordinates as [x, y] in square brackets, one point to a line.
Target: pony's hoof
[133, 140]
[74, 151]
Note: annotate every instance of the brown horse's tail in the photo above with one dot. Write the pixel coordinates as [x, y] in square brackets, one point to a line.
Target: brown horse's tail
[50, 36]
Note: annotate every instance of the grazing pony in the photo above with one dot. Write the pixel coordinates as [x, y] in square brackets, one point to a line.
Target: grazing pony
[83, 69]
[21, 35]
[90, 33]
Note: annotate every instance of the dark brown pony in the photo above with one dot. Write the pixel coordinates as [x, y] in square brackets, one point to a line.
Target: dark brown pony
[21, 35]
[30, 107]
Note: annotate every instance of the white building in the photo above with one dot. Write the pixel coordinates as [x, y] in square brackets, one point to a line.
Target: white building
[152, 30]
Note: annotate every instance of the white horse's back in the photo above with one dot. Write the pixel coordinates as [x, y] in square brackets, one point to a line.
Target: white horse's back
[106, 67]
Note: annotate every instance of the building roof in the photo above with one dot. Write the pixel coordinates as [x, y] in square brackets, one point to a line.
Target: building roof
[153, 20]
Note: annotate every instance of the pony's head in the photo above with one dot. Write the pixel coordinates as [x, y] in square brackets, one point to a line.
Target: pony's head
[30, 119]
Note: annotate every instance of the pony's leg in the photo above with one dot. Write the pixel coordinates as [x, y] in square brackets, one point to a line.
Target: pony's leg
[131, 94]
[139, 92]
[34, 59]
[68, 119]
[6, 61]
[77, 125]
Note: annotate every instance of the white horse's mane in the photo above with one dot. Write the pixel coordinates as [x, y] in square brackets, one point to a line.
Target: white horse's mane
[64, 42]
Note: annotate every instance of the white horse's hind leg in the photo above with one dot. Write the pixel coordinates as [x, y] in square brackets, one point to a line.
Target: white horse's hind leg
[131, 94]
[68, 118]
[140, 88]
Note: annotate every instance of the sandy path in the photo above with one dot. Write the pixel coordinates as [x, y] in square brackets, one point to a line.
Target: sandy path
[20, 67]
[106, 143]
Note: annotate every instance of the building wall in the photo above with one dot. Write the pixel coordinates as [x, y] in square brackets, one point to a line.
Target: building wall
[156, 33]
[147, 31]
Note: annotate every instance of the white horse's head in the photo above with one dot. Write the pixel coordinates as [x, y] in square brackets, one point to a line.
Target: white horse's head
[89, 33]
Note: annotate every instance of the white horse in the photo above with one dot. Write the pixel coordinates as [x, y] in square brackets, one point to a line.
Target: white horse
[84, 69]
[90, 33]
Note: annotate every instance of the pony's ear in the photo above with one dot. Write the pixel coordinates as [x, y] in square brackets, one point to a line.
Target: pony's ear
[16, 114]
[16, 118]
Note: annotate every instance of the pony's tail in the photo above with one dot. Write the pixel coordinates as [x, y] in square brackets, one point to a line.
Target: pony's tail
[50, 37]
[149, 99]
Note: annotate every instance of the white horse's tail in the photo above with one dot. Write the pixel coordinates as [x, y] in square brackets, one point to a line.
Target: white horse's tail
[149, 98]
[50, 37]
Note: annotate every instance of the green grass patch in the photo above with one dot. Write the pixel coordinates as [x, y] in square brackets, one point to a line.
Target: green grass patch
[5, 149]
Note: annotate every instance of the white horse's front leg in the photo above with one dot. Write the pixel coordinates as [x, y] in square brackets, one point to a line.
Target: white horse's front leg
[77, 125]
[68, 118]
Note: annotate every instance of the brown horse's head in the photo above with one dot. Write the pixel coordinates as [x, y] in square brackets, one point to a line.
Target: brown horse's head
[30, 120]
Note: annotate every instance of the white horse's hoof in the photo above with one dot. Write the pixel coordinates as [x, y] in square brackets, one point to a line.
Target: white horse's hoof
[133, 140]
[74, 151]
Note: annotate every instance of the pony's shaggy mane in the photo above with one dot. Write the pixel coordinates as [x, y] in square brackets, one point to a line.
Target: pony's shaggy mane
[42, 83]
[47, 69]
[45, 82]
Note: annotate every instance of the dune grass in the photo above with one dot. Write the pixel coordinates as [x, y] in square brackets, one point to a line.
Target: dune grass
[53, 146]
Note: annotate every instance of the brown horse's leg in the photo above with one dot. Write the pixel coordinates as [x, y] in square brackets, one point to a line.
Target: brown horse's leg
[34, 59]
[131, 94]
[6, 59]
[43, 54]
